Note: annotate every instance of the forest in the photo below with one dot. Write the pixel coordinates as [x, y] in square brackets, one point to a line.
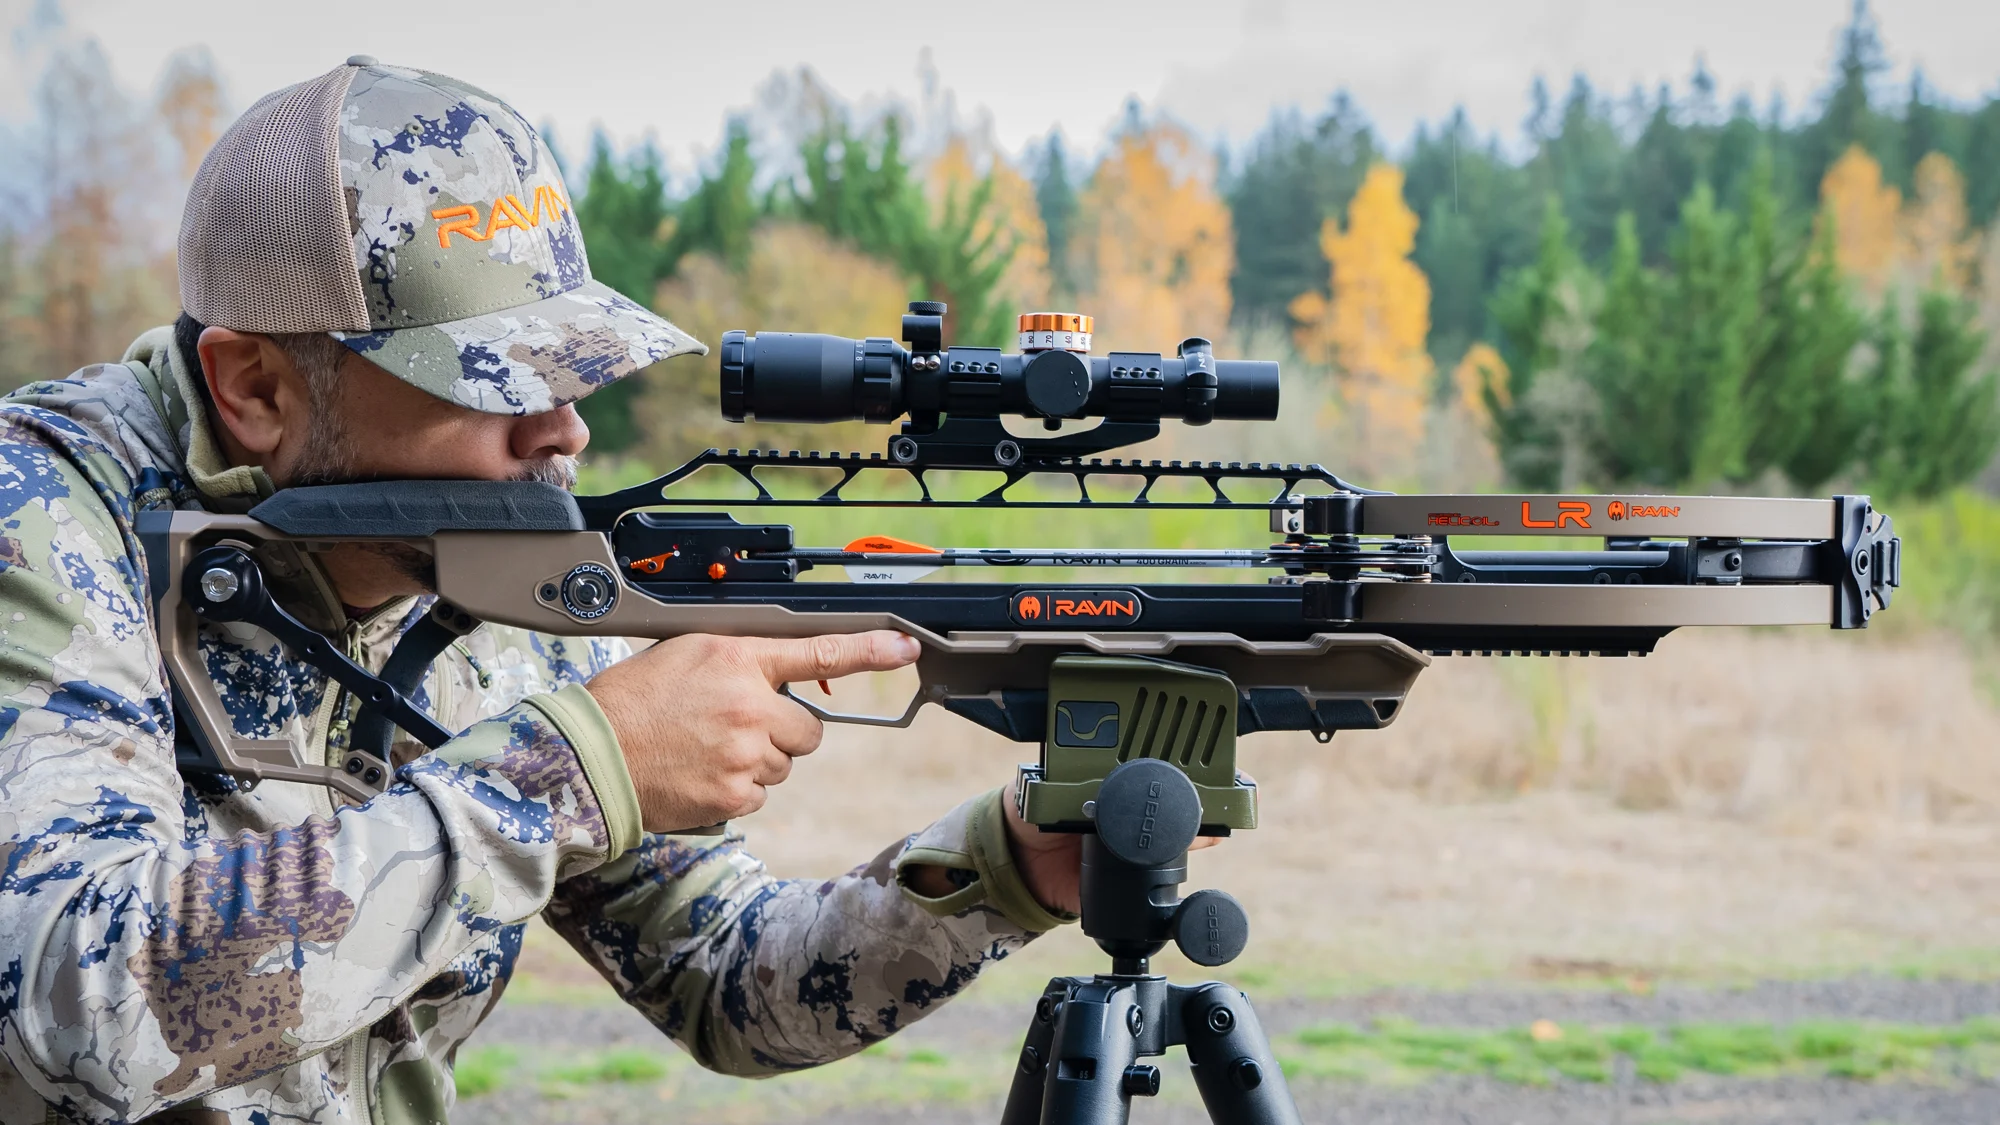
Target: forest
[1648, 290]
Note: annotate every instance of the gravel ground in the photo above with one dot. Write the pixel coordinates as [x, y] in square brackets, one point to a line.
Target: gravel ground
[1855, 998]
[1859, 998]
[1484, 1102]
[977, 1036]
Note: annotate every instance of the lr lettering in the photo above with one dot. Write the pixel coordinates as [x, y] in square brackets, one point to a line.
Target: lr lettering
[1567, 512]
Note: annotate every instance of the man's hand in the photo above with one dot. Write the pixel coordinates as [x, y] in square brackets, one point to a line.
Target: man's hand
[703, 727]
[1051, 863]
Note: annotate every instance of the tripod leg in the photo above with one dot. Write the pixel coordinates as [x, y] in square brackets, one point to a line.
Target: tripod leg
[1096, 1044]
[1024, 1097]
[1233, 1066]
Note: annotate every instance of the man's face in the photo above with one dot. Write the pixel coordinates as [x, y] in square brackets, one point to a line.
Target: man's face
[369, 425]
[374, 426]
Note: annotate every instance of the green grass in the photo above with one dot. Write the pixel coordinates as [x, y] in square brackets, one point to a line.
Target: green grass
[1398, 1051]
[1390, 1051]
[623, 1065]
[483, 1070]
[1951, 562]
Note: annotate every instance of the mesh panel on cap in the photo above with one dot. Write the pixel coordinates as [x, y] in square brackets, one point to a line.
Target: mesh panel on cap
[264, 244]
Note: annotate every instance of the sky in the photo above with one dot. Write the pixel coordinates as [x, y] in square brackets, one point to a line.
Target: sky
[674, 70]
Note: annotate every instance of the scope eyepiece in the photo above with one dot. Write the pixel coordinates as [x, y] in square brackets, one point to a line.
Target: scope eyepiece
[809, 377]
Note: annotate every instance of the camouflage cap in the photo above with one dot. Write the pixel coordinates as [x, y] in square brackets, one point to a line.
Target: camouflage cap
[423, 223]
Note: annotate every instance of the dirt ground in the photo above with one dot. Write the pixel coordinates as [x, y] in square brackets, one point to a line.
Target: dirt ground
[1815, 812]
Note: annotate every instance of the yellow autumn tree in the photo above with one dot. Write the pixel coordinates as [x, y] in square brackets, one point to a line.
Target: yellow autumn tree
[1864, 212]
[1936, 249]
[1011, 215]
[1372, 329]
[1480, 368]
[1153, 243]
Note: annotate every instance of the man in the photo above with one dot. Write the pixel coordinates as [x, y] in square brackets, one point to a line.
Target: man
[382, 278]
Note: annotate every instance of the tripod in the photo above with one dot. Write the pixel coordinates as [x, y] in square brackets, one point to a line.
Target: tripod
[1080, 1064]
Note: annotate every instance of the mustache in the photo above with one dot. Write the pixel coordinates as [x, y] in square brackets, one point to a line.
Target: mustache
[557, 469]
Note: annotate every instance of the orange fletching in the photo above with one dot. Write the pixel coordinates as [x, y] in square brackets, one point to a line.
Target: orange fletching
[884, 545]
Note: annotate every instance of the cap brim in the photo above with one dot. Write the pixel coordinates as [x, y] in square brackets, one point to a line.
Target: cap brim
[530, 358]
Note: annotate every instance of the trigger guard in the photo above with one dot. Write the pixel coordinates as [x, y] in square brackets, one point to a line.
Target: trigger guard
[825, 716]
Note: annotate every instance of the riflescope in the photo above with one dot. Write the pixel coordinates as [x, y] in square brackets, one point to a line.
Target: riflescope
[809, 377]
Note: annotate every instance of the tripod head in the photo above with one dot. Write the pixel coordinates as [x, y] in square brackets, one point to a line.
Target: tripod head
[1146, 814]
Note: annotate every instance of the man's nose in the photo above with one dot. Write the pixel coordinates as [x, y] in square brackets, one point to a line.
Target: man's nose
[559, 432]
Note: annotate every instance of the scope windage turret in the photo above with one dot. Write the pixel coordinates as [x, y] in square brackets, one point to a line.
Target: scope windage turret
[808, 377]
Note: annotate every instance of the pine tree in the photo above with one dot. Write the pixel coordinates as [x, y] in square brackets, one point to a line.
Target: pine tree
[623, 215]
[971, 242]
[1939, 417]
[1828, 412]
[1056, 198]
[1849, 118]
[1927, 127]
[859, 187]
[1660, 173]
[1805, 414]
[717, 217]
[1709, 306]
[1583, 163]
[1295, 179]
[1542, 310]
[1982, 164]
[1450, 253]
[1630, 369]
[1740, 146]
[1479, 222]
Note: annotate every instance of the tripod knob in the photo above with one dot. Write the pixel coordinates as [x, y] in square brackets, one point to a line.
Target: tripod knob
[1211, 928]
[1147, 812]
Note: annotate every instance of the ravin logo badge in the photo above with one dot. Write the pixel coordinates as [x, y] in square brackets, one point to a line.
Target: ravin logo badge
[1620, 510]
[1071, 608]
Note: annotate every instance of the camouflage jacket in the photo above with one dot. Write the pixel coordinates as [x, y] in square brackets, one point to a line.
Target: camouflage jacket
[272, 954]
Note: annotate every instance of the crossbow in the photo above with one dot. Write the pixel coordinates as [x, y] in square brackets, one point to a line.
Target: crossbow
[1364, 587]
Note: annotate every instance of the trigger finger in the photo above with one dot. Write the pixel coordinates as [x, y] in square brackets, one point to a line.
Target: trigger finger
[794, 729]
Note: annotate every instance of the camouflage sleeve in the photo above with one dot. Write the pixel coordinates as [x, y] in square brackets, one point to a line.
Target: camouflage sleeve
[142, 962]
[756, 975]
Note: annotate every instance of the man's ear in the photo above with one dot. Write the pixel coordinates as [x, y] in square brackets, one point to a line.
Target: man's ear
[259, 399]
